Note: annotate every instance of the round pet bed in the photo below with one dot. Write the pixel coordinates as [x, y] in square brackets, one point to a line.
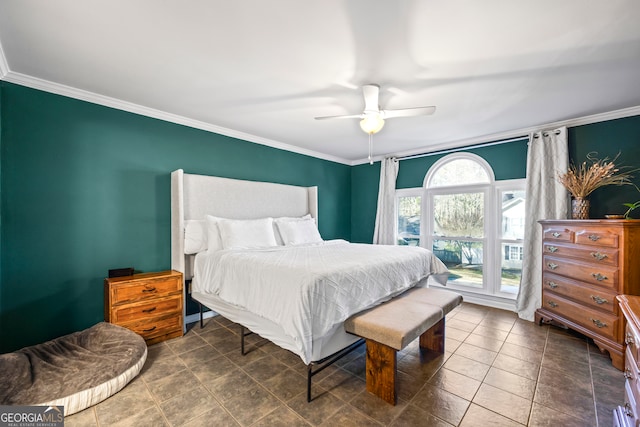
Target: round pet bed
[76, 371]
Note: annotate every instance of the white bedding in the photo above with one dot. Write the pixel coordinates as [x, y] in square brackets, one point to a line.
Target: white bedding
[309, 289]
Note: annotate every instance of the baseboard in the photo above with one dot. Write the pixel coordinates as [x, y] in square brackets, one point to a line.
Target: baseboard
[193, 318]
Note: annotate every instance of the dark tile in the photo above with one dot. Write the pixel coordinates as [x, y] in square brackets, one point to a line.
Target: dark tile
[187, 406]
[286, 384]
[504, 403]
[185, 343]
[516, 366]
[133, 399]
[455, 383]
[496, 334]
[343, 384]
[217, 417]
[477, 416]
[282, 416]
[323, 406]
[484, 342]
[521, 353]
[444, 405]
[376, 408]
[575, 403]
[264, 368]
[230, 385]
[476, 353]
[511, 383]
[467, 367]
[348, 416]
[259, 400]
[414, 416]
[542, 416]
[535, 343]
[172, 385]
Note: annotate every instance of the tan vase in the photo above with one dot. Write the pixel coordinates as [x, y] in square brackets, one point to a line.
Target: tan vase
[579, 208]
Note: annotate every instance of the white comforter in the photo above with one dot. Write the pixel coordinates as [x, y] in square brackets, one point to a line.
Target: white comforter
[309, 289]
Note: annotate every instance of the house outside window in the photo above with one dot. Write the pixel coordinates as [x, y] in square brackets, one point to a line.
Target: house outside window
[472, 222]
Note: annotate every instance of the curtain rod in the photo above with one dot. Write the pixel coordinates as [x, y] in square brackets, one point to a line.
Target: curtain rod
[468, 147]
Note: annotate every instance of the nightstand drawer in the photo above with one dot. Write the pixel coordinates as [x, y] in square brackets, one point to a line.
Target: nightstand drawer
[128, 312]
[156, 327]
[145, 289]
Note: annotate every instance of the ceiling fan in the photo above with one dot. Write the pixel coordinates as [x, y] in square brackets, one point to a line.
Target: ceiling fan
[372, 118]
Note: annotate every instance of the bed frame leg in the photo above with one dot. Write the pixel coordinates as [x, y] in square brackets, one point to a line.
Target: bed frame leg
[309, 375]
[201, 317]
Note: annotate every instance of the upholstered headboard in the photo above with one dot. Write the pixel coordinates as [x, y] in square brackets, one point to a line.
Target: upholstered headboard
[195, 196]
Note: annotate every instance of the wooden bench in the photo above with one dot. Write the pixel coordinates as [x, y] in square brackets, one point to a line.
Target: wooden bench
[391, 326]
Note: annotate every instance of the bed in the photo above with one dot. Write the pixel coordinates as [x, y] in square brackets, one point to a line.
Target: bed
[236, 281]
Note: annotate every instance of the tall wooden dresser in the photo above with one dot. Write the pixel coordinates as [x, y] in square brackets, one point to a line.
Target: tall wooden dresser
[586, 264]
[627, 414]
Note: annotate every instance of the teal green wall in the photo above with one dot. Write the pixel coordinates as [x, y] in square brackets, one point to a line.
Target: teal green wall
[608, 139]
[86, 188]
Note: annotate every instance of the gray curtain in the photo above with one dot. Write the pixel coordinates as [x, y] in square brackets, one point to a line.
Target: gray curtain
[547, 156]
[384, 232]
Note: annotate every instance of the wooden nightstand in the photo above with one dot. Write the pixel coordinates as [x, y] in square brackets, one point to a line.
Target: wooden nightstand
[149, 304]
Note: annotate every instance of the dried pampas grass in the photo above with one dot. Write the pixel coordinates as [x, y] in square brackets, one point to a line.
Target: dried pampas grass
[582, 180]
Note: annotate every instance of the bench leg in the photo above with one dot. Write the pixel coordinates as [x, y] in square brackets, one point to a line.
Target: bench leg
[381, 371]
[433, 338]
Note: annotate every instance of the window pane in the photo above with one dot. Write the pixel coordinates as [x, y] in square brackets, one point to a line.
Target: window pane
[460, 215]
[458, 172]
[513, 203]
[511, 270]
[463, 259]
[409, 220]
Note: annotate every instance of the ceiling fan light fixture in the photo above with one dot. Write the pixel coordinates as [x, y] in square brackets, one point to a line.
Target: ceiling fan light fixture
[372, 123]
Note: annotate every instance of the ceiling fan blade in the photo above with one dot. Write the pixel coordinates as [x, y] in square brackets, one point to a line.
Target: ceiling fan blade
[371, 97]
[352, 116]
[409, 112]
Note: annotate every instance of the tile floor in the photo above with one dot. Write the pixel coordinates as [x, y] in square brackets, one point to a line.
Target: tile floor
[497, 371]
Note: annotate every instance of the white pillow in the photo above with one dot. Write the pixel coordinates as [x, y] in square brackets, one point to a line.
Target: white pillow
[278, 220]
[214, 242]
[195, 236]
[299, 232]
[242, 234]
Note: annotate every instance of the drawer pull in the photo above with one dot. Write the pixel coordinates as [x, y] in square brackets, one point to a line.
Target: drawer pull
[628, 339]
[599, 323]
[594, 237]
[552, 304]
[552, 249]
[151, 310]
[149, 330]
[628, 374]
[599, 277]
[552, 285]
[556, 234]
[598, 256]
[627, 409]
[149, 289]
[552, 266]
[598, 300]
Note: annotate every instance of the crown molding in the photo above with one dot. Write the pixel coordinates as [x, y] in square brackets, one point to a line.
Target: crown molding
[518, 133]
[94, 98]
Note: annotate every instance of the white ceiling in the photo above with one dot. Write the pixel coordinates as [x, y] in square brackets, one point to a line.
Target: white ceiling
[262, 70]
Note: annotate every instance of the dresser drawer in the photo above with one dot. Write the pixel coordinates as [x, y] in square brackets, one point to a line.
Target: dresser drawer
[145, 289]
[156, 326]
[602, 323]
[597, 238]
[602, 299]
[601, 275]
[598, 256]
[631, 374]
[145, 309]
[632, 340]
[557, 234]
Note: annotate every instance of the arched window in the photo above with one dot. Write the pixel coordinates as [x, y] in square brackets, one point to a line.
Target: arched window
[472, 222]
